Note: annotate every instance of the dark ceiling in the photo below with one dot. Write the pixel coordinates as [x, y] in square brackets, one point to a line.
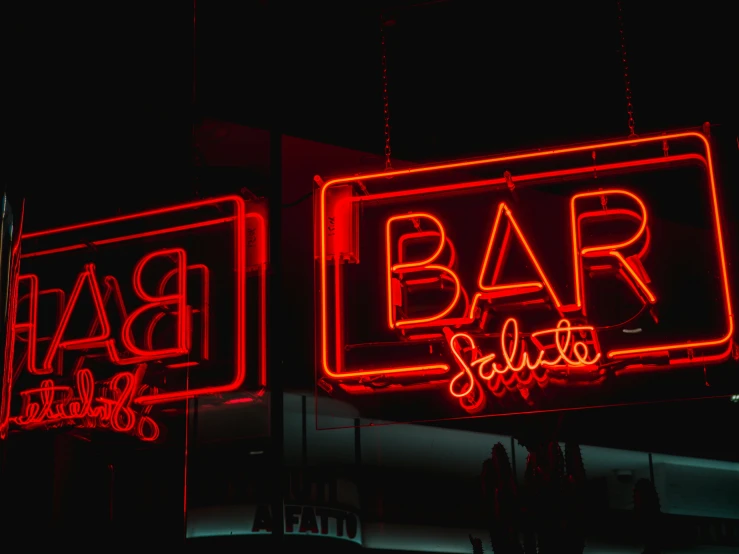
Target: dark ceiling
[102, 87]
[467, 77]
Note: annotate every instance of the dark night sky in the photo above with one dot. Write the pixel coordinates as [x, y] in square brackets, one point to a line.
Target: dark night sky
[99, 98]
[105, 93]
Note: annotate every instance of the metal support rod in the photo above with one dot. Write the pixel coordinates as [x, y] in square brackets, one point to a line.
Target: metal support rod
[275, 345]
[357, 442]
[111, 494]
[191, 405]
[273, 342]
[304, 451]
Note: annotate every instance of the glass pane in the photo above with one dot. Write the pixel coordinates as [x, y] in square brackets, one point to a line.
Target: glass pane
[524, 283]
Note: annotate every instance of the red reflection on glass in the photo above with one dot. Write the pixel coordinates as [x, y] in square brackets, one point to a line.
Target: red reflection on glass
[109, 403]
[51, 405]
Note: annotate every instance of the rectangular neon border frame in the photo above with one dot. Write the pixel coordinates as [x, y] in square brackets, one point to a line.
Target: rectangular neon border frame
[443, 368]
[240, 261]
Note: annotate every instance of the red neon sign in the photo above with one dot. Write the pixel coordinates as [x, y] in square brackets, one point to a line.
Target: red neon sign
[115, 317]
[494, 271]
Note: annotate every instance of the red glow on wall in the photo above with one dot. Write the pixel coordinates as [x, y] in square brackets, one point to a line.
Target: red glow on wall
[607, 235]
[154, 315]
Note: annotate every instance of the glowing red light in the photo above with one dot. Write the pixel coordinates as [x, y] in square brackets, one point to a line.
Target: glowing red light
[245, 400]
[551, 353]
[122, 402]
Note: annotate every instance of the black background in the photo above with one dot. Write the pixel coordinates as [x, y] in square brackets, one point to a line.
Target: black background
[99, 98]
[98, 112]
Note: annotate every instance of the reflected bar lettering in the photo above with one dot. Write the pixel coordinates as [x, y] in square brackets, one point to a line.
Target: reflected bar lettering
[157, 317]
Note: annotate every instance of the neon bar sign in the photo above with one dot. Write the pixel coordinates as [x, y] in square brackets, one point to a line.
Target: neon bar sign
[511, 274]
[116, 317]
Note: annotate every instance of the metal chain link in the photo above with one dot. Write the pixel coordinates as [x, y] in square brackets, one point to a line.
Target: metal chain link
[197, 158]
[627, 80]
[385, 98]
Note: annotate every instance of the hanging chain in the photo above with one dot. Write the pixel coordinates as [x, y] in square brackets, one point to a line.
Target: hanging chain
[197, 156]
[627, 80]
[385, 98]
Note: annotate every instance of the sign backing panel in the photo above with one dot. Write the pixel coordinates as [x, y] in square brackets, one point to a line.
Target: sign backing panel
[563, 278]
